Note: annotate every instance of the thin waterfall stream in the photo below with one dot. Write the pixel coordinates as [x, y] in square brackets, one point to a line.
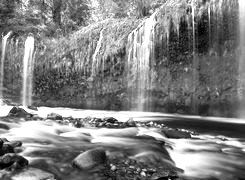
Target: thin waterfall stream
[28, 63]
[4, 43]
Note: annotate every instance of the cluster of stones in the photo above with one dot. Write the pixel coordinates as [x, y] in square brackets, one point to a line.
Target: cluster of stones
[110, 122]
[9, 159]
[123, 168]
[113, 167]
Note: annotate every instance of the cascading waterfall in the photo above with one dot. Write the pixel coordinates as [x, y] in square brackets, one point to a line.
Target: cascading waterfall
[4, 43]
[195, 58]
[241, 85]
[140, 53]
[28, 64]
[95, 61]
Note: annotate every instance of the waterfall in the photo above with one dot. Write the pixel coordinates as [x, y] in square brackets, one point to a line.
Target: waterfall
[28, 64]
[241, 82]
[4, 43]
[95, 61]
[195, 58]
[140, 53]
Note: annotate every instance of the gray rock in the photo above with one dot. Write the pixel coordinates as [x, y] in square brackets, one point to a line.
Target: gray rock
[33, 174]
[13, 161]
[14, 144]
[19, 112]
[33, 108]
[130, 123]
[89, 159]
[176, 134]
[54, 116]
[6, 148]
[110, 120]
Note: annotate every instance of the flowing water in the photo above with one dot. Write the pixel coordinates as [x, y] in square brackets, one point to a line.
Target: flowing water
[4, 43]
[140, 54]
[241, 85]
[28, 64]
[95, 59]
[217, 150]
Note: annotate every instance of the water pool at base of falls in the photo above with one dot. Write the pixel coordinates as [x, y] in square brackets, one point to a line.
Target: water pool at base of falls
[215, 151]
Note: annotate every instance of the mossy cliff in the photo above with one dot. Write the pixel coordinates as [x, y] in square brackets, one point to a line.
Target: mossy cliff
[194, 70]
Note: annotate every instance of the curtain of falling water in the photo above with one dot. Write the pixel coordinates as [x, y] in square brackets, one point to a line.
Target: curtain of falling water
[4, 43]
[140, 53]
[95, 60]
[28, 71]
[195, 58]
[241, 85]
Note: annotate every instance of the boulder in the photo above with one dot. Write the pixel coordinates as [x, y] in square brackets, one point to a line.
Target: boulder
[176, 134]
[14, 144]
[6, 148]
[33, 174]
[111, 120]
[130, 123]
[19, 112]
[89, 159]
[54, 116]
[13, 161]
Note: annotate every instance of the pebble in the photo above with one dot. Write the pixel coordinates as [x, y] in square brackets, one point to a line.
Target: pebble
[143, 174]
[113, 168]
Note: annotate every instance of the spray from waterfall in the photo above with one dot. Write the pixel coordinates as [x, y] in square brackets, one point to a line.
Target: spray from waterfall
[4, 43]
[28, 64]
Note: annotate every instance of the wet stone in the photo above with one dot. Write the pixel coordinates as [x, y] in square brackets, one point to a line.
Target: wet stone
[19, 112]
[32, 108]
[14, 144]
[130, 123]
[6, 148]
[54, 116]
[110, 120]
[176, 134]
[89, 159]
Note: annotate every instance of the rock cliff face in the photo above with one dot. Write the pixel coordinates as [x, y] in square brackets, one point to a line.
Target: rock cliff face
[193, 62]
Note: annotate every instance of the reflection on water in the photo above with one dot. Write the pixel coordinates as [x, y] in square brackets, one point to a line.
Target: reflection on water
[217, 151]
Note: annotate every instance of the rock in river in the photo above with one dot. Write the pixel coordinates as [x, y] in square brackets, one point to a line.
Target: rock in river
[54, 116]
[19, 112]
[90, 159]
[176, 134]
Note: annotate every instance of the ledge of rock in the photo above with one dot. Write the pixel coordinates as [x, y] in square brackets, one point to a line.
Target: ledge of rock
[89, 159]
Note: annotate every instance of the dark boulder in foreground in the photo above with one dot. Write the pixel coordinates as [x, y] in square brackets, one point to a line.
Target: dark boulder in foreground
[9, 160]
[176, 134]
[19, 112]
[54, 116]
[13, 161]
[89, 159]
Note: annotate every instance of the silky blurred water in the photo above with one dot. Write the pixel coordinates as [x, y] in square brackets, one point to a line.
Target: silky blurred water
[217, 150]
